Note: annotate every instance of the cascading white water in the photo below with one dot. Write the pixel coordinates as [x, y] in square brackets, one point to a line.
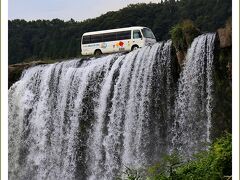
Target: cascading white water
[193, 107]
[89, 119]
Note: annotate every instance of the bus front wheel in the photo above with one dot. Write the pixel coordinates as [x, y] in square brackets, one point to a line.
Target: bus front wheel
[134, 47]
[98, 52]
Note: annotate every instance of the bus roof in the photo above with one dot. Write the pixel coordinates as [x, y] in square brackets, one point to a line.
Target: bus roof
[114, 30]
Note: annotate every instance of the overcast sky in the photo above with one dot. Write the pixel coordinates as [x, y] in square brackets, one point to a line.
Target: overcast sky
[65, 9]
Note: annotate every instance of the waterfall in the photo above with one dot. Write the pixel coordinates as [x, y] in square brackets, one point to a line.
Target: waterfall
[194, 102]
[89, 119]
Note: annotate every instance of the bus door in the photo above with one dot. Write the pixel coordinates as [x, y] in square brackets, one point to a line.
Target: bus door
[137, 38]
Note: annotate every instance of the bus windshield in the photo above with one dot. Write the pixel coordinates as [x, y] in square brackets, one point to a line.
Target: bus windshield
[147, 33]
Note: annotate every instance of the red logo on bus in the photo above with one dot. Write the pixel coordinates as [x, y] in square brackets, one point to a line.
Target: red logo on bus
[121, 43]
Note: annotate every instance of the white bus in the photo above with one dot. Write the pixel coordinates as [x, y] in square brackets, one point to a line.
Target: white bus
[116, 40]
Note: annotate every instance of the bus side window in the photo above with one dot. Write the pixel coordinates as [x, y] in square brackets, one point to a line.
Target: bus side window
[123, 35]
[137, 34]
[86, 40]
[109, 37]
[96, 38]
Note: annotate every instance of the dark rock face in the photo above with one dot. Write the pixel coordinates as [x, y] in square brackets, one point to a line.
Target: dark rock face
[222, 116]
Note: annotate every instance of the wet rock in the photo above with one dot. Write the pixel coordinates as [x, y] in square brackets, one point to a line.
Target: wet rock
[15, 70]
[181, 57]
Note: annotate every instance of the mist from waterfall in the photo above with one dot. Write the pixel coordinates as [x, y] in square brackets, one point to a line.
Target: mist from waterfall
[89, 119]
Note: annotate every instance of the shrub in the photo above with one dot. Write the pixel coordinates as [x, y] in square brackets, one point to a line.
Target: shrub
[214, 164]
[183, 34]
[131, 174]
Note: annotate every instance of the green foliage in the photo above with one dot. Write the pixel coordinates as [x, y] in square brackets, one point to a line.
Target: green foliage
[189, 30]
[177, 37]
[214, 164]
[57, 39]
[165, 168]
[131, 174]
[183, 34]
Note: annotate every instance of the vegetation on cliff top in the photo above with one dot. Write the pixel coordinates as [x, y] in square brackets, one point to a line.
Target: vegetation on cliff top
[56, 39]
[183, 34]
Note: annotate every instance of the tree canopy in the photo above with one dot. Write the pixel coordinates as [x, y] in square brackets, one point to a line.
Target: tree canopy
[56, 39]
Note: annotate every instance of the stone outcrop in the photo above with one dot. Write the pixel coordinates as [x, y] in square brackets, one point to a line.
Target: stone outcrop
[225, 34]
[224, 40]
[225, 37]
[15, 70]
[181, 57]
[182, 36]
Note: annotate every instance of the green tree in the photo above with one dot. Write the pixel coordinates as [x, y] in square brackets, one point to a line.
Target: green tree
[57, 38]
